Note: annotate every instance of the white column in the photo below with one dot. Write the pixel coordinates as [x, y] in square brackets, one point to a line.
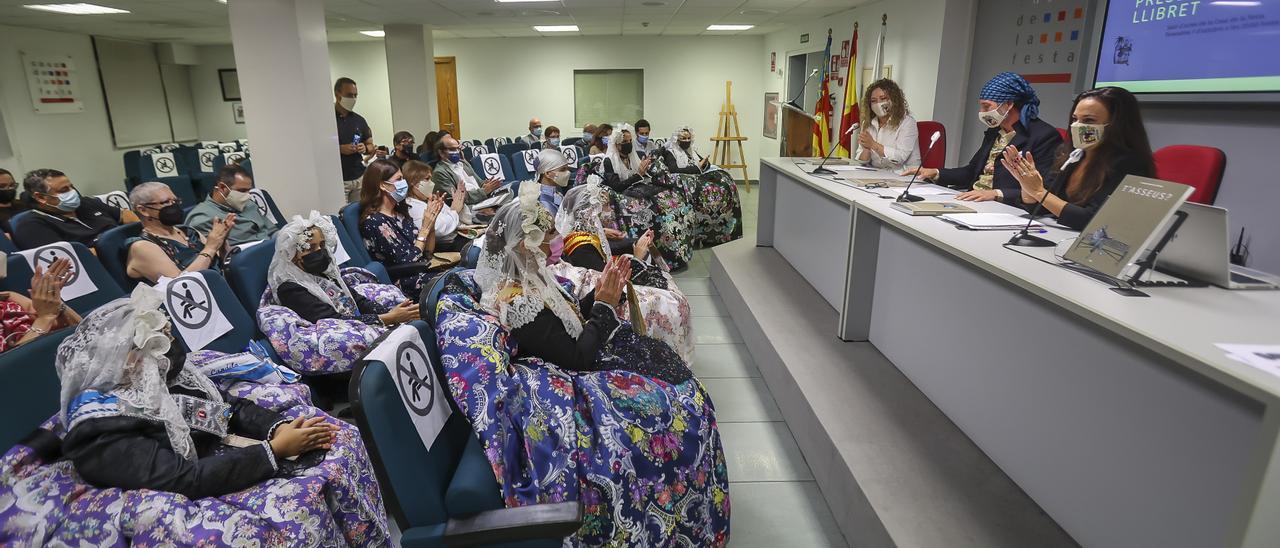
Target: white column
[411, 71]
[282, 59]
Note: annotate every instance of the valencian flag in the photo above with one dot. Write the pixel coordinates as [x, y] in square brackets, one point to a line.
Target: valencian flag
[822, 111]
[849, 116]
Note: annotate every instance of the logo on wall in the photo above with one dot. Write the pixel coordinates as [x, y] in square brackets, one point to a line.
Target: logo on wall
[413, 374]
[1123, 47]
[191, 301]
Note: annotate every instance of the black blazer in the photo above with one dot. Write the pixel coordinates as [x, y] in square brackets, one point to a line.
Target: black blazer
[1037, 136]
[1078, 215]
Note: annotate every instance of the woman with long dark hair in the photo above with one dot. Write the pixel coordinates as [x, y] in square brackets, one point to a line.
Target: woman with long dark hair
[392, 238]
[1107, 125]
[600, 140]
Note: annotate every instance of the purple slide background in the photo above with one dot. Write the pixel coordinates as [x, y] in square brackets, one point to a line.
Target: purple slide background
[1223, 54]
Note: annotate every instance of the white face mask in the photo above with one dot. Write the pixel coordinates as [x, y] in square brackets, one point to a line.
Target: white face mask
[237, 199]
[882, 108]
[561, 178]
[348, 103]
[993, 118]
[1086, 136]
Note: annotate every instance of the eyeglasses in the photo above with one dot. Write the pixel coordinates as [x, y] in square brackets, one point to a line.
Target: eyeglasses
[161, 205]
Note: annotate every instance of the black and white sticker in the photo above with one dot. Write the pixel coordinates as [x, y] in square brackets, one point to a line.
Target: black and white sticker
[491, 165]
[232, 158]
[530, 160]
[207, 157]
[415, 378]
[169, 147]
[570, 153]
[164, 164]
[116, 198]
[260, 199]
[228, 147]
[78, 284]
[193, 309]
[209, 144]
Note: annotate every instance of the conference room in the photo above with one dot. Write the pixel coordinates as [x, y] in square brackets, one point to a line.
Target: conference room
[639, 272]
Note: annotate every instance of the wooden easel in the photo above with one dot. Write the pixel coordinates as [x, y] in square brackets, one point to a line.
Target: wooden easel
[728, 133]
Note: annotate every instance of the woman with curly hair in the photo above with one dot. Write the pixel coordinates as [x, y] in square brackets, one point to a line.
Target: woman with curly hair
[888, 138]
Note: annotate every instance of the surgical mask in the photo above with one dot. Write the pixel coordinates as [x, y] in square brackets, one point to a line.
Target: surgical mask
[237, 199]
[69, 200]
[604, 139]
[684, 144]
[992, 118]
[587, 136]
[1086, 136]
[401, 192]
[561, 178]
[348, 103]
[625, 148]
[455, 157]
[316, 262]
[424, 186]
[537, 132]
[881, 108]
[171, 215]
[642, 139]
[555, 141]
[7, 195]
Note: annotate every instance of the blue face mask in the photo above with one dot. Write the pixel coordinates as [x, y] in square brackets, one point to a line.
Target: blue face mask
[604, 140]
[555, 141]
[69, 200]
[642, 139]
[401, 192]
[586, 135]
[455, 157]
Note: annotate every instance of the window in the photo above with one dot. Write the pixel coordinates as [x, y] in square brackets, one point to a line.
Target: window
[607, 96]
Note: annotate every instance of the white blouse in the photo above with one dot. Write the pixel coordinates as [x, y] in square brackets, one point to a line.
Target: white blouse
[901, 145]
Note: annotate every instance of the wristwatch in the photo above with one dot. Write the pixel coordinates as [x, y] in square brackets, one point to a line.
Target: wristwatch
[422, 239]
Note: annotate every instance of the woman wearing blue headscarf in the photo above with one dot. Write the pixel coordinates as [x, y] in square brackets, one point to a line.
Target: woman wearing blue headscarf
[1010, 109]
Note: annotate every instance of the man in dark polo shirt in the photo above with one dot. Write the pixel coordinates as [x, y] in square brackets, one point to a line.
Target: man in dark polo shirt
[355, 139]
[60, 214]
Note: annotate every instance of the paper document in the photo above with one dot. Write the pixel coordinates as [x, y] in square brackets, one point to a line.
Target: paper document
[1262, 356]
[989, 221]
[929, 190]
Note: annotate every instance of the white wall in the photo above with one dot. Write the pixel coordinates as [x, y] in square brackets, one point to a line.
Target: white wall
[214, 121]
[79, 144]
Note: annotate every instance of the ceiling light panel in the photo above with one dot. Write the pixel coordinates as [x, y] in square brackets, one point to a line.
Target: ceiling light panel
[556, 28]
[80, 8]
[730, 27]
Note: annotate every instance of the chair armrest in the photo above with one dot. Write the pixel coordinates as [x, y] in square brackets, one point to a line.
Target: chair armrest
[539, 521]
[405, 270]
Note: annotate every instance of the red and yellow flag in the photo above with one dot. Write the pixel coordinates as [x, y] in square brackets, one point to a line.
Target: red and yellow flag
[849, 116]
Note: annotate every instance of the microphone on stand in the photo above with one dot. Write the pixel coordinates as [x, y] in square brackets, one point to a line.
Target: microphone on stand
[906, 195]
[824, 171]
[792, 102]
[1024, 239]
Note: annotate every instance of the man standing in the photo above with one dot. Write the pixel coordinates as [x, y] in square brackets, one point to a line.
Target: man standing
[231, 195]
[535, 133]
[355, 139]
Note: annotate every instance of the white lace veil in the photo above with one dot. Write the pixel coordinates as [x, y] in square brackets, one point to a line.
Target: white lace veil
[120, 348]
[615, 156]
[683, 159]
[512, 256]
[581, 209]
[295, 237]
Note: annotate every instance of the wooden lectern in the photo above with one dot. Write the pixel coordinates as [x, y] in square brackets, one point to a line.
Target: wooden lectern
[797, 131]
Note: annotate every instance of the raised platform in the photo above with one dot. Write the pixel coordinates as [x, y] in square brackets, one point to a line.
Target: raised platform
[893, 468]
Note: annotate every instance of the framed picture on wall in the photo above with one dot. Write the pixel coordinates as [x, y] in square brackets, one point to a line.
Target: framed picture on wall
[771, 115]
[230, 81]
[237, 112]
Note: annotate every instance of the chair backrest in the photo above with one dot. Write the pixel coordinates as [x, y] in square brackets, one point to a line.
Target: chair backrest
[570, 140]
[243, 326]
[523, 164]
[1195, 165]
[472, 257]
[272, 212]
[512, 148]
[348, 225]
[484, 167]
[29, 387]
[490, 143]
[6, 245]
[20, 274]
[248, 274]
[113, 254]
[414, 479]
[938, 156]
[1066, 137]
[428, 305]
[132, 160]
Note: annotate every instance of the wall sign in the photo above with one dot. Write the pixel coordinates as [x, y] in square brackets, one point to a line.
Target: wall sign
[237, 112]
[53, 83]
[804, 38]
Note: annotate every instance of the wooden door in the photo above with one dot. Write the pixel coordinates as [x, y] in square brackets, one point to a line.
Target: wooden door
[447, 95]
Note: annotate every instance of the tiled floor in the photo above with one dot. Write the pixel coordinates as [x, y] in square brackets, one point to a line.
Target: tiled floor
[775, 500]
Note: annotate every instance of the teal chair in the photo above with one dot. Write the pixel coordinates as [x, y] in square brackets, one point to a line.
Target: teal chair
[30, 391]
[19, 280]
[347, 223]
[427, 308]
[113, 254]
[6, 245]
[446, 495]
[247, 274]
[243, 326]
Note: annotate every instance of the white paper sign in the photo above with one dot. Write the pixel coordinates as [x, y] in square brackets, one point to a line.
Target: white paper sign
[490, 166]
[340, 255]
[116, 198]
[169, 147]
[228, 147]
[207, 157]
[530, 159]
[193, 309]
[571, 153]
[164, 164]
[78, 283]
[260, 200]
[415, 378]
[242, 142]
[232, 158]
[209, 144]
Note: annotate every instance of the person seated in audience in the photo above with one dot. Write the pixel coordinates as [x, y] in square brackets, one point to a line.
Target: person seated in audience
[404, 152]
[166, 247]
[1009, 107]
[230, 195]
[576, 357]
[551, 138]
[10, 203]
[145, 457]
[24, 319]
[453, 169]
[450, 218]
[888, 137]
[644, 145]
[391, 237]
[428, 146]
[534, 136]
[644, 205]
[1106, 124]
[61, 214]
[588, 135]
[552, 175]
[712, 193]
[600, 141]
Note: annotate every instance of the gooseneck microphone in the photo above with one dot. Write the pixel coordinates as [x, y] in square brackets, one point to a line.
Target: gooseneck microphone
[906, 195]
[824, 171]
[1023, 238]
[792, 102]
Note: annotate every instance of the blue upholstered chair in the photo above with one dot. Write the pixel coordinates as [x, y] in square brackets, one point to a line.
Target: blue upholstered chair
[19, 280]
[29, 386]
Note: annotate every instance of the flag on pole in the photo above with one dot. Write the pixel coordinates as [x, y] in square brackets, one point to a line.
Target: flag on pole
[849, 116]
[879, 62]
[822, 112]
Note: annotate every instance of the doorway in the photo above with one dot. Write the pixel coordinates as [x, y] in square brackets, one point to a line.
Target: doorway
[798, 68]
[447, 95]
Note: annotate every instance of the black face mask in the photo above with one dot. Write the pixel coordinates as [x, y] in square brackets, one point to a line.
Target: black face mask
[684, 144]
[177, 356]
[316, 262]
[171, 215]
[7, 195]
[407, 148]
[625, 148]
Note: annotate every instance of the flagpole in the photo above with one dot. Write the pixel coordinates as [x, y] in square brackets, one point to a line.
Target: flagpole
[878, 70]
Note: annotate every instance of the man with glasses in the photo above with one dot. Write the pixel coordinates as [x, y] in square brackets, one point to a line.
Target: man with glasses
[404, 152]
[10, 203]
[60, 214]
[231, 195]
[452, 169]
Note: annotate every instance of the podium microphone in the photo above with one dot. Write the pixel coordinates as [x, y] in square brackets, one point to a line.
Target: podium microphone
[1023, 238]
[906, 195]
[824, 171]
[792, 102]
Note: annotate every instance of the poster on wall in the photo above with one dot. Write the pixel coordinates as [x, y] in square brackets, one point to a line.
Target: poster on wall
[237, 112]
[53, 83]
[771, 115]
[773, 61]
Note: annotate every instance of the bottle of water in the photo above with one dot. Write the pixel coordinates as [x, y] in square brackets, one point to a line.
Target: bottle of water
[356, 141]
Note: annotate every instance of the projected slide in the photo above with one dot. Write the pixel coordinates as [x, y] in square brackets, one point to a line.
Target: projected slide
[1160, 46]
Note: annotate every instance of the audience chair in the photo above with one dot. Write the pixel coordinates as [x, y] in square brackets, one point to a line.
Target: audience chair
[512, 148]
[247, 274]
[489, 144]
[132, 159]
[519, 169]
[203, 176]
[570, 140]
[1195, 165]
[938, 156]
[273, 212]
[427, 308]
[31, 392]
[243, 326]
[347, 224]
[113, 254]
[6, 245]
[20, 273]
[1066, 137]
[445, 495]
[472, 257]
[508, 175]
